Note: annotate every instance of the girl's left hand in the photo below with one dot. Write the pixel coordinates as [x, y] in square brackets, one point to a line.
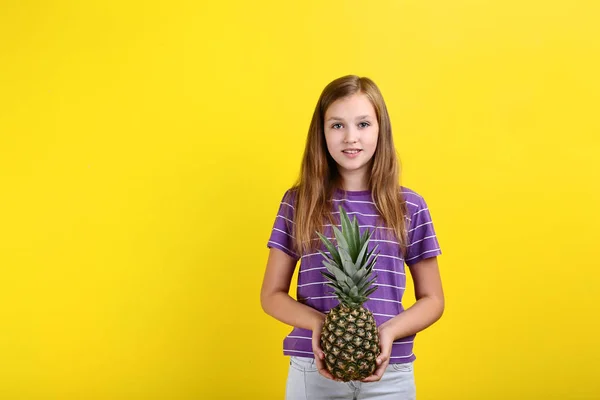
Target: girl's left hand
[385, 343]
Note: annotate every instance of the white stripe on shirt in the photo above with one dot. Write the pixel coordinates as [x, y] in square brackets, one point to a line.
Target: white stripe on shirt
[408, 356]
[280, 245]
[417, 227]
[288, 204]
[418, 241]
[425, 252]
[279, 230]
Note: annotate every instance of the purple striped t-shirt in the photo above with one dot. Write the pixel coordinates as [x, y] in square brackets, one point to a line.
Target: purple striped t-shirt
[386, 301]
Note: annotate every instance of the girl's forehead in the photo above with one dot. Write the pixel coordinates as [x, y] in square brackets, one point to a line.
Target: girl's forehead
[350, 106]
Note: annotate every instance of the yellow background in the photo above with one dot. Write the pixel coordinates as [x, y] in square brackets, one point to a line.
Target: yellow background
[144, 148]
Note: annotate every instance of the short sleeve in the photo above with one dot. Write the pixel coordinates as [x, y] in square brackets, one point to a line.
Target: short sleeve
[423, 242]
[282, 233]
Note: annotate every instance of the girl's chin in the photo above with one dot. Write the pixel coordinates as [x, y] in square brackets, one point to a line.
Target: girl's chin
[352, 167]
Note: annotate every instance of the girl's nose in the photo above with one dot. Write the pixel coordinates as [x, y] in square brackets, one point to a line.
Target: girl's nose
[351, 136]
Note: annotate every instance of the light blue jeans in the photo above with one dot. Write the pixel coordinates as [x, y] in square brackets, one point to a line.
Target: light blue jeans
[305, 383]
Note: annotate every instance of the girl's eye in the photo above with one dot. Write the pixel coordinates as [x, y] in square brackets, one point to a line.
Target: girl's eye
[336, 126]
[364, 124]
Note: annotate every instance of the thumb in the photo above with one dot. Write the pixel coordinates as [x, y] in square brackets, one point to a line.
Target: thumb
[383, 356]
[319, 351]
[316, 345]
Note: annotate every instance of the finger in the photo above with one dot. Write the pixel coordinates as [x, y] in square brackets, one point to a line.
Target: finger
[322, 368]
[384, 354]
[382, 359]
[373, 378]
[326, 374]
[377, 374]
[319, 355]
[316, 345]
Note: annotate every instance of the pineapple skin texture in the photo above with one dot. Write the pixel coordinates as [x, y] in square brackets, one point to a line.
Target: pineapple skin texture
[350, 341]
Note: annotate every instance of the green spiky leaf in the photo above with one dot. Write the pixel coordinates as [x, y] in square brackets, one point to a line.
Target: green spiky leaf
[329, 276]
[339, 237]
[332, 250]
[350, 262]
[347, 233]
[356, 231]
[363, 252]
[365, 285]
[331, 267]
[370, 291]
[347, 264]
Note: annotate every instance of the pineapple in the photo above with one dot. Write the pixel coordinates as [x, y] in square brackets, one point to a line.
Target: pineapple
[350, 339]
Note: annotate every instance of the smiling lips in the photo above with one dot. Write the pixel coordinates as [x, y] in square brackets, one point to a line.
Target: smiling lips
[351, 153]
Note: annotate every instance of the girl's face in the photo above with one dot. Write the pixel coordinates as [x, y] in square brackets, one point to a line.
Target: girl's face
[351, 132]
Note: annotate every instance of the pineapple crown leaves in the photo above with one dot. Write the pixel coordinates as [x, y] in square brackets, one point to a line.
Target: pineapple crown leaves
[350, 264]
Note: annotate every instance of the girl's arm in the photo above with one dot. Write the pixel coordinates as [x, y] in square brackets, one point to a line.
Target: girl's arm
[429, 306]
[275, 298]
[276, 301]
[427, 309]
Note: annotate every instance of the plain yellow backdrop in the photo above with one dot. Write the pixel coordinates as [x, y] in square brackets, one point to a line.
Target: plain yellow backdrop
[144, 148]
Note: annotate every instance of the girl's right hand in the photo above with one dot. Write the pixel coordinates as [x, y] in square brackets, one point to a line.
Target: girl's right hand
[319, 355]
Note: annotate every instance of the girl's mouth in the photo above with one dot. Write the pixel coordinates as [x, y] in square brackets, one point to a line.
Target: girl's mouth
[351, 153]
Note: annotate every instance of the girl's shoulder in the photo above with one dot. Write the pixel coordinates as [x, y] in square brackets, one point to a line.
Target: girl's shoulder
[290, 195]
[414, 200]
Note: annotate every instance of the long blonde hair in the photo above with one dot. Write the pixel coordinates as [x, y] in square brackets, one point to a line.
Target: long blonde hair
[319, 176]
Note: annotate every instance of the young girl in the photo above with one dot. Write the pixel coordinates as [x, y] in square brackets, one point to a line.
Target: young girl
[350, 160]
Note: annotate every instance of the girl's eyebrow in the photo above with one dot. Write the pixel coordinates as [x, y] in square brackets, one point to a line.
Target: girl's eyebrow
[341, 119]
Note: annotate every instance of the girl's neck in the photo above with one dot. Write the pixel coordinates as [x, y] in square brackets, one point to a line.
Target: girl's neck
[353, 188]
[356, 183]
